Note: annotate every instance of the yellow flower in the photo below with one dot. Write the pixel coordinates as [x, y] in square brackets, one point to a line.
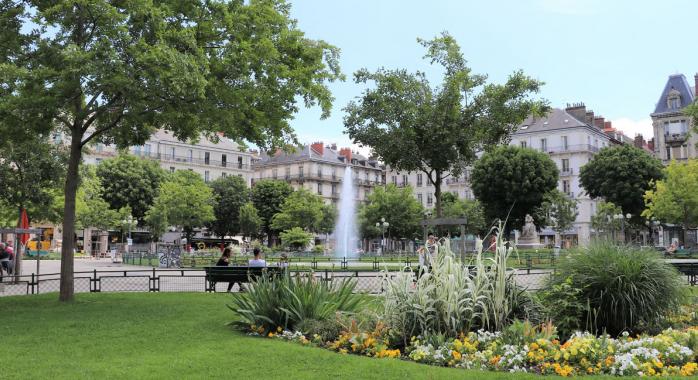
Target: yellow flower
[456, 355]
[689, 369]
[534, 346]
[279, 329]
[270, 335]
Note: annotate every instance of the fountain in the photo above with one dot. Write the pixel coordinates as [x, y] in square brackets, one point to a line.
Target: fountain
[345, 229]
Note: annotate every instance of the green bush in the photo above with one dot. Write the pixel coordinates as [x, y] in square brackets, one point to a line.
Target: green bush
[327, 330]
[566, 306]
[318, 248]
[286, 302]
[625, 288]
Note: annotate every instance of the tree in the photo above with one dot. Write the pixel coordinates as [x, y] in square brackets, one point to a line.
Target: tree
[469, 208]
[329, 219]
[603, 220]
[397, 206]
[111, 72]
[296, 238]
[621, 175]
[675, 199]
[230, 193]
[250, 222]
[185, 201]
[91, 210]
[130, 181]
[412, 126]
[301, 209]
[558, 211]
[268, 195]
[511, 182]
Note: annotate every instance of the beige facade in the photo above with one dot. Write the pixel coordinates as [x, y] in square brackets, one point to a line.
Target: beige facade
[209, 159]
[423, 189]
[672, 137]
[320, 169]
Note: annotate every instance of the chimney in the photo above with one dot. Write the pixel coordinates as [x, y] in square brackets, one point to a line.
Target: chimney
[318, 147]
[639, 141]
[334, 146]
[650, 144]
[607, 126]
[598, 122]
[589, 117]
[346, 153]
[577, 110]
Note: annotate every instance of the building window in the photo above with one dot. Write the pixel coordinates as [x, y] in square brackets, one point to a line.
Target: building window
[224, 160]
[137, 150]
[430, 200]
[334, 173]
[543, 145]
[565, 165]
[274, 173]
[419, 180]
[467, 194]
[394, 180]
[146, 148]
[57, 138]
[300, 171]
[334, 188]
[240, 163]
[564, 143]
[207, 176]
[419, 198]
[319, 188]
[172, 153]
[207, 158]
[191, 155]
[377, 177]
[99, 147]
[366, 176]
[523, 144]
[566, 187]
[98, 160]
[404, 180]
[319, 171]
[172, 169]
[287, 173]
[224, 174]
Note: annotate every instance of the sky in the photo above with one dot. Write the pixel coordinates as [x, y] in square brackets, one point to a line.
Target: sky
[614, 56]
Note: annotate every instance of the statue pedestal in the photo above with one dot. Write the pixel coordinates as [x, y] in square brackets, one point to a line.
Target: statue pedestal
[528, 244]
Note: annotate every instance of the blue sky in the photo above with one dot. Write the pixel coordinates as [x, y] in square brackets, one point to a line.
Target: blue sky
[614, 56]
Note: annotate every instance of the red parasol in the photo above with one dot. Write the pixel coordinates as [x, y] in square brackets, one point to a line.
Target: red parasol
[24, 223]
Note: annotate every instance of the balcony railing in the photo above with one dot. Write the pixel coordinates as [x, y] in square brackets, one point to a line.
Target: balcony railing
[191, 160]
[315, 177]
[572, 148]
[570, 194]
[566, 172]
[675, 137]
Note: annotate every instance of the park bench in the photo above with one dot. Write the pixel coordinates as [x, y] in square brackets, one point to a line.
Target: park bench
[690, 270]
[240, 274]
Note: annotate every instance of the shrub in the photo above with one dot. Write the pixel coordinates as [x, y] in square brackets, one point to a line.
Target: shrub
[627, 289]
[285, 302]
[318, 248]
[324, 331]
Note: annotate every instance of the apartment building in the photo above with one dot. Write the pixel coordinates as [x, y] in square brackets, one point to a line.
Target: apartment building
[571, 137]
[320, 168]
[423, 188]
[672, 137]
[209, 159]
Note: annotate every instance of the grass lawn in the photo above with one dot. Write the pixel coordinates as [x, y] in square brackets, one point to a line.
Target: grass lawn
[173, 336]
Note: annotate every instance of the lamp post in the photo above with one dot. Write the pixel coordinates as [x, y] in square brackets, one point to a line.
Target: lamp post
[382, 225]
[129, 222]
[652, 225]
[622, 219]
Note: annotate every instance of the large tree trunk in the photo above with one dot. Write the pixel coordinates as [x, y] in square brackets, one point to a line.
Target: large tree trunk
[437, 193]
[71, 187]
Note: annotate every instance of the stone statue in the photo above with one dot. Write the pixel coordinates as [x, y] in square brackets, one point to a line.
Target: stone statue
[529, 235]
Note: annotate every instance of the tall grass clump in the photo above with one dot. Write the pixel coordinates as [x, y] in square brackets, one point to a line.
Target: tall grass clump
[612, 289]
[291, 301]
[452, 297]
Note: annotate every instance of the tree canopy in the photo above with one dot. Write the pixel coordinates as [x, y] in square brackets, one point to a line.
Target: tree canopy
[603, 220]
[301, 209]
[674, 198]
[512, 181]
[558, 211]
[471, 209]
[399, 208]
[621, 174]
[92, 211]
[250, 222]
[230, 193]
[113, 71]
[130, 181]
[414, 126]
[268, 195]
[185, 201]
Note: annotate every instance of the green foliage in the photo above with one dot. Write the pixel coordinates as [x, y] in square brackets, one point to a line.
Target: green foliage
[471, 209]
[621, 174]
[329, 219]
[250, 222]
[185, 201]
[327, 330]
[626, 288]
[319, 248]
[287, 302]
[130, 181]
[230, 193]
[520, 333]
[558, 211]
[301, 209]
[566, 306]
[675, 199]
[296, 238]
[512, 181]
[442, 127]
[603, 220]
[31, 174]
[268, 196]
[399, 208]
[92, 211]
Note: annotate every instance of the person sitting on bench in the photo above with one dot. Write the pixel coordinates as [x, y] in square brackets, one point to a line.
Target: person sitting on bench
[257, 262]
[224, 261]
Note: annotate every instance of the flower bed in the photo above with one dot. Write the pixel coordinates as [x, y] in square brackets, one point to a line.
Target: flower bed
[670, 353]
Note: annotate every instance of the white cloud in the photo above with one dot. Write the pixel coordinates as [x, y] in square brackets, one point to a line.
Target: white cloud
[632, 127]
[567, 7]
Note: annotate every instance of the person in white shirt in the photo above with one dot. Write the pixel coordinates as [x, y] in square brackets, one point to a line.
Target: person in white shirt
[257, 262]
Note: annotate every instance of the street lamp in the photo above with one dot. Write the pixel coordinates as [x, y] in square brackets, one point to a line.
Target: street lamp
[622, 219]
[130, 221]
[652, 225]
[383, 225]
